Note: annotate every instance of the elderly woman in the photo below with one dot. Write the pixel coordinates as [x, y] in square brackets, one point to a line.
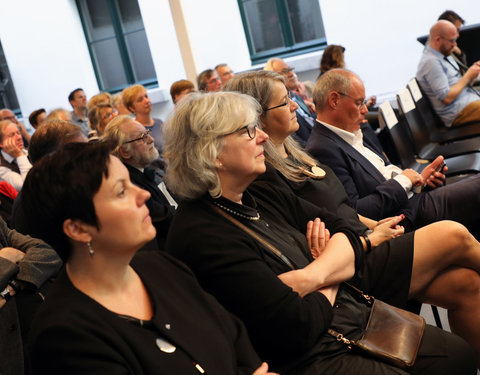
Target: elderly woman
[418, 265]
[98, 117]
[108, 313]
[214, 151]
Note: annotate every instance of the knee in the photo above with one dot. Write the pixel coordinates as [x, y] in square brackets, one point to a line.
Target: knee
[457, 235]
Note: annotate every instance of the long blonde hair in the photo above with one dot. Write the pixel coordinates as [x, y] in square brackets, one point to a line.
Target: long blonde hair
[260, 86]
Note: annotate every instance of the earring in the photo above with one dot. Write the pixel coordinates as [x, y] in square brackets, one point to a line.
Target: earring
[90, 250]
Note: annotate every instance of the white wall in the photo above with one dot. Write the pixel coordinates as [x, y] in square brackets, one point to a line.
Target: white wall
[380, 36]
[46, 52]
[216, 33]
[48, 57]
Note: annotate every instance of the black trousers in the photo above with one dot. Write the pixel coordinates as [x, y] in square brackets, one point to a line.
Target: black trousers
[440, 353]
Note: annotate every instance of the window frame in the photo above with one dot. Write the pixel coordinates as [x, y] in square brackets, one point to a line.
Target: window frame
[290, 48]
[114, 13]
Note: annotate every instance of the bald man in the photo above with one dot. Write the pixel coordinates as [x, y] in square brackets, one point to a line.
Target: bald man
[439, 76]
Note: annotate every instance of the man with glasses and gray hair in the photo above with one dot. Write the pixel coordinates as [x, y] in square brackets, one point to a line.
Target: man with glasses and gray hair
[376, 188]
[440, 77]
[135, 148]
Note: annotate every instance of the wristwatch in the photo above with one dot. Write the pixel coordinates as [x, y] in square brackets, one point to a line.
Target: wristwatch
[5, 293]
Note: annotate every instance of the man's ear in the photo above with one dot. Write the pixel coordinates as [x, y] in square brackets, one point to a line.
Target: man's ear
[125, 155]
[77, 230]
[333, 99]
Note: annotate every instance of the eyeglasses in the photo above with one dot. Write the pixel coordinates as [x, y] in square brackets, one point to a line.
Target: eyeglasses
[287, 101]
[143, 137]
[109, 114]
[286, 70]
[359, 105]
[450, 40]
[250, 128]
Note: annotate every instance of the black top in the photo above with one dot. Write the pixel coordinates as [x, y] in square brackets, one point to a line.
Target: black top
[73, 334]
[286, 330]
[387, 270]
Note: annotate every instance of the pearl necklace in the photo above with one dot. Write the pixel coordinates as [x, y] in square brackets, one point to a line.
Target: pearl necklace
[251, 218]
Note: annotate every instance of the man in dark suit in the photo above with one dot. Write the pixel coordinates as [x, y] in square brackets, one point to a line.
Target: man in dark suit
[136, 149]
[375, 187]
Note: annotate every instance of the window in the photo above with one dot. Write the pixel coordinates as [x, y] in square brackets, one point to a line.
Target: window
[8, 98]
[117, 42]
[282, 27]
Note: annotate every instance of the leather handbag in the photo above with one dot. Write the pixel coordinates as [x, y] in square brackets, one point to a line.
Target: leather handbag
[391, 335]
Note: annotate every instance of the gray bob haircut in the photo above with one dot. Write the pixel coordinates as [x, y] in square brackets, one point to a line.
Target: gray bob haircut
[333, 80]
[193, 139]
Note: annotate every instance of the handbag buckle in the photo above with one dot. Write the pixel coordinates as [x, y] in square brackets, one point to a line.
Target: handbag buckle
[346, 341]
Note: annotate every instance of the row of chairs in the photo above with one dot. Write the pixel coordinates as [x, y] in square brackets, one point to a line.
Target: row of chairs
[419, 135]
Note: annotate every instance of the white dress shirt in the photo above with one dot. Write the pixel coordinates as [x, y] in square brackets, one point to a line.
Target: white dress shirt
[13, 178]
[390, 171]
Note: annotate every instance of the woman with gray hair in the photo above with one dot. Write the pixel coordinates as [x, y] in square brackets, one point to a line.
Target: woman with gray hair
[250, 254]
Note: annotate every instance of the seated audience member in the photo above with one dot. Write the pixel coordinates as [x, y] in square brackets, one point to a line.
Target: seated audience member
[26, 265]
[6, 114]
[37, 117]
[214, 150]
[459, 55]
[306, 109]
[181, 88]
[439, 76]
[8, 194]
[376, 188]
[117, 103]
[100, 98]
[98, 117]
[59, 114]
[108, 311]
[14, 163]
[136, 100]
[400, 265]
[134, 147]
[50, 137]
[78, 101]
[208, 81]
[224, 72]
[333, 58]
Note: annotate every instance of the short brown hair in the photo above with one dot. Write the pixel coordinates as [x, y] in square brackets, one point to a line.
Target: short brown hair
[179, 86]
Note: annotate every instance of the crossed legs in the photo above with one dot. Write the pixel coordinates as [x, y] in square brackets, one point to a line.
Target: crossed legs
[445, 273]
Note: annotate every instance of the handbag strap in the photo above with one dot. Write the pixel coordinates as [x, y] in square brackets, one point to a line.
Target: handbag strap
[264, 242]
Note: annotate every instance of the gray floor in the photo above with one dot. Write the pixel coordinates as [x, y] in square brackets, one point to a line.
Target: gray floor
[426, 312]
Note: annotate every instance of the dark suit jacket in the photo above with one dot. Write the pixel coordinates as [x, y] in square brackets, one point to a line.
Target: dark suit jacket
[160, 209]
[370, 193]
[304, 128]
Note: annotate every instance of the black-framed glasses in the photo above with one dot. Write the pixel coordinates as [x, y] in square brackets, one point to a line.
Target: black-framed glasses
[287, 101]
[250, 128]
[359, 105]
[143, 137]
